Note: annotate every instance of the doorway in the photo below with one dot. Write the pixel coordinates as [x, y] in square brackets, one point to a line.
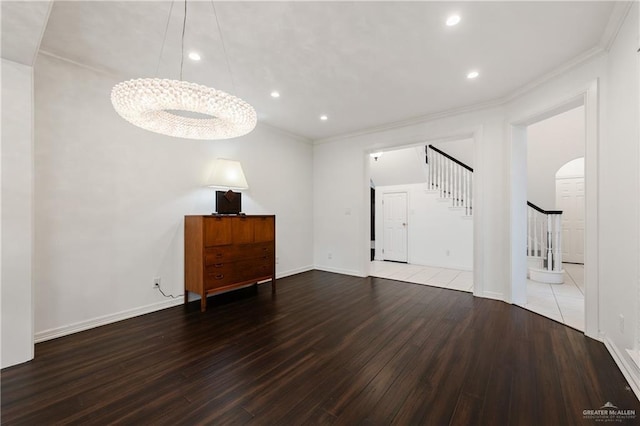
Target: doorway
[556, 220]
[435, 244]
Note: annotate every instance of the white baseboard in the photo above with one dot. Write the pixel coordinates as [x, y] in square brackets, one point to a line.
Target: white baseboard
[54, 333]
[490, 295]
[457, 268]
[295, 271]
[433, 265]
[629, 369]
[339, 271]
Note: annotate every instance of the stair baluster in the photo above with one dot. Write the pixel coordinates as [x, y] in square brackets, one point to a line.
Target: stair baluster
[544, 237]
[557, 230]
[452, 178]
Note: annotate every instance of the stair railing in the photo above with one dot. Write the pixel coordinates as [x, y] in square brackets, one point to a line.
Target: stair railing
[454, 180]
[544, 236]
[451, 177]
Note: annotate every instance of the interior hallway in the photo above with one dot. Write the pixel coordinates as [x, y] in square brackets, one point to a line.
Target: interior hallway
[563, 303]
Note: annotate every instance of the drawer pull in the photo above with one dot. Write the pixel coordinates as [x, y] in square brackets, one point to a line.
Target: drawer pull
[219, 276]
[219, 255]
[218, 265]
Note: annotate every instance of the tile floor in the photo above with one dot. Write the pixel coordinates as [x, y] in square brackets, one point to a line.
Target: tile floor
[560, 302]
[427, 275]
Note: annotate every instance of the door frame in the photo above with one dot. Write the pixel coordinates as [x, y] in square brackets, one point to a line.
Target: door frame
[406, 193]
[516, 293]
[475, 132]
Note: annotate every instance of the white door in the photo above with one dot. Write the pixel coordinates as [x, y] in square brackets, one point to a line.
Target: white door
[395, 226]
[570, 199]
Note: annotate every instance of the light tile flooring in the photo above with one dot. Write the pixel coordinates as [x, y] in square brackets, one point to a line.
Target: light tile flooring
[561, 302]
[436, 277]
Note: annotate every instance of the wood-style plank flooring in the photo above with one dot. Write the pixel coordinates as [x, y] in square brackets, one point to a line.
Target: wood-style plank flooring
[327, 349]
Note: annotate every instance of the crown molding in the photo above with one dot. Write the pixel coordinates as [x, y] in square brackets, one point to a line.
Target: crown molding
[42, 30]
[499, 102]
[276, 129]
[587, 56]
[616, 20]
[80, 64]
[415, 120]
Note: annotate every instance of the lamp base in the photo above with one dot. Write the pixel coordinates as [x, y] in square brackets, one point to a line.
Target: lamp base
[228, 202]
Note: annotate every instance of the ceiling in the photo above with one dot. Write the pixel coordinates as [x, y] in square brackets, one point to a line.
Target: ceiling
[363, 64]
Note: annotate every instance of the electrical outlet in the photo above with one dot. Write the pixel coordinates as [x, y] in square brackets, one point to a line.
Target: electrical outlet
[277, 260]
[330, 255]
[156, 282]
[448, 252]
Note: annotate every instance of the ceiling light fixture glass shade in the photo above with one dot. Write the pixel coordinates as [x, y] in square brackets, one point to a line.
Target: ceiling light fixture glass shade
[182, 109]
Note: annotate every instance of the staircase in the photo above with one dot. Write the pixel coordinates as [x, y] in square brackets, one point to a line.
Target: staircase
[453, 180]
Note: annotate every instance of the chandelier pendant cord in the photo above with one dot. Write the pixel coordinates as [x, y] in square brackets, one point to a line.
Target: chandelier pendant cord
[224, 48]
[163, 105]
[164, 39]
[184, 25]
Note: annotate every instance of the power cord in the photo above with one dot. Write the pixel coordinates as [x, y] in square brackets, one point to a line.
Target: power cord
[165, 295]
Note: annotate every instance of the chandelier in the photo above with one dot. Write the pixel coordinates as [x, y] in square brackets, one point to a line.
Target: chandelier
[182, 109]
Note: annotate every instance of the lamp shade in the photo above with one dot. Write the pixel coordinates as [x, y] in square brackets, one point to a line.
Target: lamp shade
[227, 174]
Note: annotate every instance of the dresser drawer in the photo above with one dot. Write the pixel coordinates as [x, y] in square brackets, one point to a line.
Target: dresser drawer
[225, 273]
[220, 279]
[215, 255]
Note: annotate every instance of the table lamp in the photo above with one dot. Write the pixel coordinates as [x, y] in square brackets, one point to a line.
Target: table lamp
[228, 174]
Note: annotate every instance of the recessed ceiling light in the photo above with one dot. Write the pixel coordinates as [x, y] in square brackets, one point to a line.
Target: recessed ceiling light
[324, 118]
[472, 75]
[275, 94]
[453, 20]
[194, 56]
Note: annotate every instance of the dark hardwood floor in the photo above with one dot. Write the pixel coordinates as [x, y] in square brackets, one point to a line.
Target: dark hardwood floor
[327, 349]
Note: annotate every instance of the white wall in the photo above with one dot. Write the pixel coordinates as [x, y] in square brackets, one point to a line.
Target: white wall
[572, 169]
[110, 200]
[461, 150]
[342, 208]
[550, 144]
[619, 188]
[407, 165]
[341, 185]
[399, 166]
[16, 215]
[436, 234]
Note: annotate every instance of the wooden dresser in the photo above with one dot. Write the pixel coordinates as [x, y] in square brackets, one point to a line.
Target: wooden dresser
[226, 252]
